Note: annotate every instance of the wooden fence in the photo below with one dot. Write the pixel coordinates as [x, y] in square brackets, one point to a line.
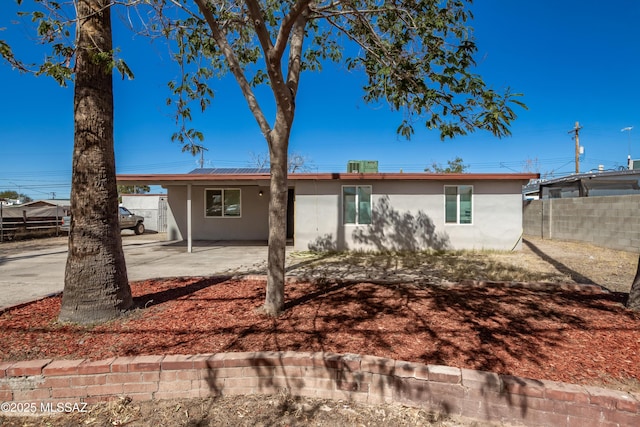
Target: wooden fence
[18, 222]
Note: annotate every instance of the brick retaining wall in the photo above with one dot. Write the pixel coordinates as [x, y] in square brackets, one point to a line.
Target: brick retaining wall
[365, 379]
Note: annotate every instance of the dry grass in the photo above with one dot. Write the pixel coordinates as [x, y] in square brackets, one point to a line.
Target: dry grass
[538, 261]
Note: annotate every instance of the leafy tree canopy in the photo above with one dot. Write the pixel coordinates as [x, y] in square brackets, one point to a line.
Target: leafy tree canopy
[453, 166]
[418, 57]
[133, 189]
[53, 22]
[14, 195]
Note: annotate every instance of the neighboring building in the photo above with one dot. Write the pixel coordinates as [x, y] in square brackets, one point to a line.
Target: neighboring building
[63, 204]
[589, 184]
[153, 207]
[39, 216]
[595, 207]
[354, 211]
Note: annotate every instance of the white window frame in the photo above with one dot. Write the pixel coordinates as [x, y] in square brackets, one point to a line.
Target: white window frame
[473, 204]
[222, 190]
[357, 204]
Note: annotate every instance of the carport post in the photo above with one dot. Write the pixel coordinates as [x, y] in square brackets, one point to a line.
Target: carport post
[189, 241]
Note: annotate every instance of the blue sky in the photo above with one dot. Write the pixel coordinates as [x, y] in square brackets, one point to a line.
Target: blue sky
[573, 61]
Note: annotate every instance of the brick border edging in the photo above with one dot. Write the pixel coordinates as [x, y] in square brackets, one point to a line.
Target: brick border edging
[365, 379]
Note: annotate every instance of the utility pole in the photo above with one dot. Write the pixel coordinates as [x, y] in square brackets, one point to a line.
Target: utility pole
[576, 131]
[2, 200]
[628, 130]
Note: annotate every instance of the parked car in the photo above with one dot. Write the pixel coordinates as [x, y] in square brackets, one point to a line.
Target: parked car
[128, 221]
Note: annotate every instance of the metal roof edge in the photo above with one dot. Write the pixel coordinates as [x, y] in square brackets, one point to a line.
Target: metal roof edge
[591, 174]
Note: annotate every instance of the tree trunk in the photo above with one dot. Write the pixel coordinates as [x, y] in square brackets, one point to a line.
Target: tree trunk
[274, 300]
[634, 294]
[96, 288]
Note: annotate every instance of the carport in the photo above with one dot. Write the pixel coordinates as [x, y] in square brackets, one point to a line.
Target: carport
[187, 196]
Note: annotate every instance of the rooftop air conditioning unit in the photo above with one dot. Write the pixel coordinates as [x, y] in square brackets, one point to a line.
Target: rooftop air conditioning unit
[362, 166]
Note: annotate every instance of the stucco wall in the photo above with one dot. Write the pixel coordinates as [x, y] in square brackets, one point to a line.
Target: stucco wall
[253, 224]
[408, 215]
[609, 221]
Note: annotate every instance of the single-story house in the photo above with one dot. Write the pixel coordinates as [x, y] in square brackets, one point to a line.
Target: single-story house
[63, 204]
[32, 217]
[348, 211]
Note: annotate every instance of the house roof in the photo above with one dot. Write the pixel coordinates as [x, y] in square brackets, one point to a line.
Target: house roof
[625, 173]
[200, 176]
[33, 211]
[143, 195]
[227, 171]
[49, 202]
[609, 183]
[534, 186]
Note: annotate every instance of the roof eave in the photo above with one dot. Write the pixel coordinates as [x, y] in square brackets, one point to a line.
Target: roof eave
[165, 179]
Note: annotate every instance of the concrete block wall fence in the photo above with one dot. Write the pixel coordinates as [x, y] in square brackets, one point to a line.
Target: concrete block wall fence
[365, 379]
[608, 221]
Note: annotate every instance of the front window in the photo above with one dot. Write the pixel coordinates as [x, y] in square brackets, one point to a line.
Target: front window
[356, 204]
[458, 204]
[222, 202]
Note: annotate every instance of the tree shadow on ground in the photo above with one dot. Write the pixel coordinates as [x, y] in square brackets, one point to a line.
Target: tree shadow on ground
[490, 327]
[174, 293]
[382, 317]
[411, 266]
[575, 276]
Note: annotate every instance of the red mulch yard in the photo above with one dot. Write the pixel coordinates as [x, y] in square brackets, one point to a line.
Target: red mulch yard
[570, 336]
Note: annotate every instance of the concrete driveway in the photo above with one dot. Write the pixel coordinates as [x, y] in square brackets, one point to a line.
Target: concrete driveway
[28, 274]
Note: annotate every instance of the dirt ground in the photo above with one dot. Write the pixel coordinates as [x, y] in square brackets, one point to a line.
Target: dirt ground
[538, 261]
[245, 411]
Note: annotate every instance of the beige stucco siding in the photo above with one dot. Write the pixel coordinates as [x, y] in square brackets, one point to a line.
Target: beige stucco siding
[253, 224]
[408, 215]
